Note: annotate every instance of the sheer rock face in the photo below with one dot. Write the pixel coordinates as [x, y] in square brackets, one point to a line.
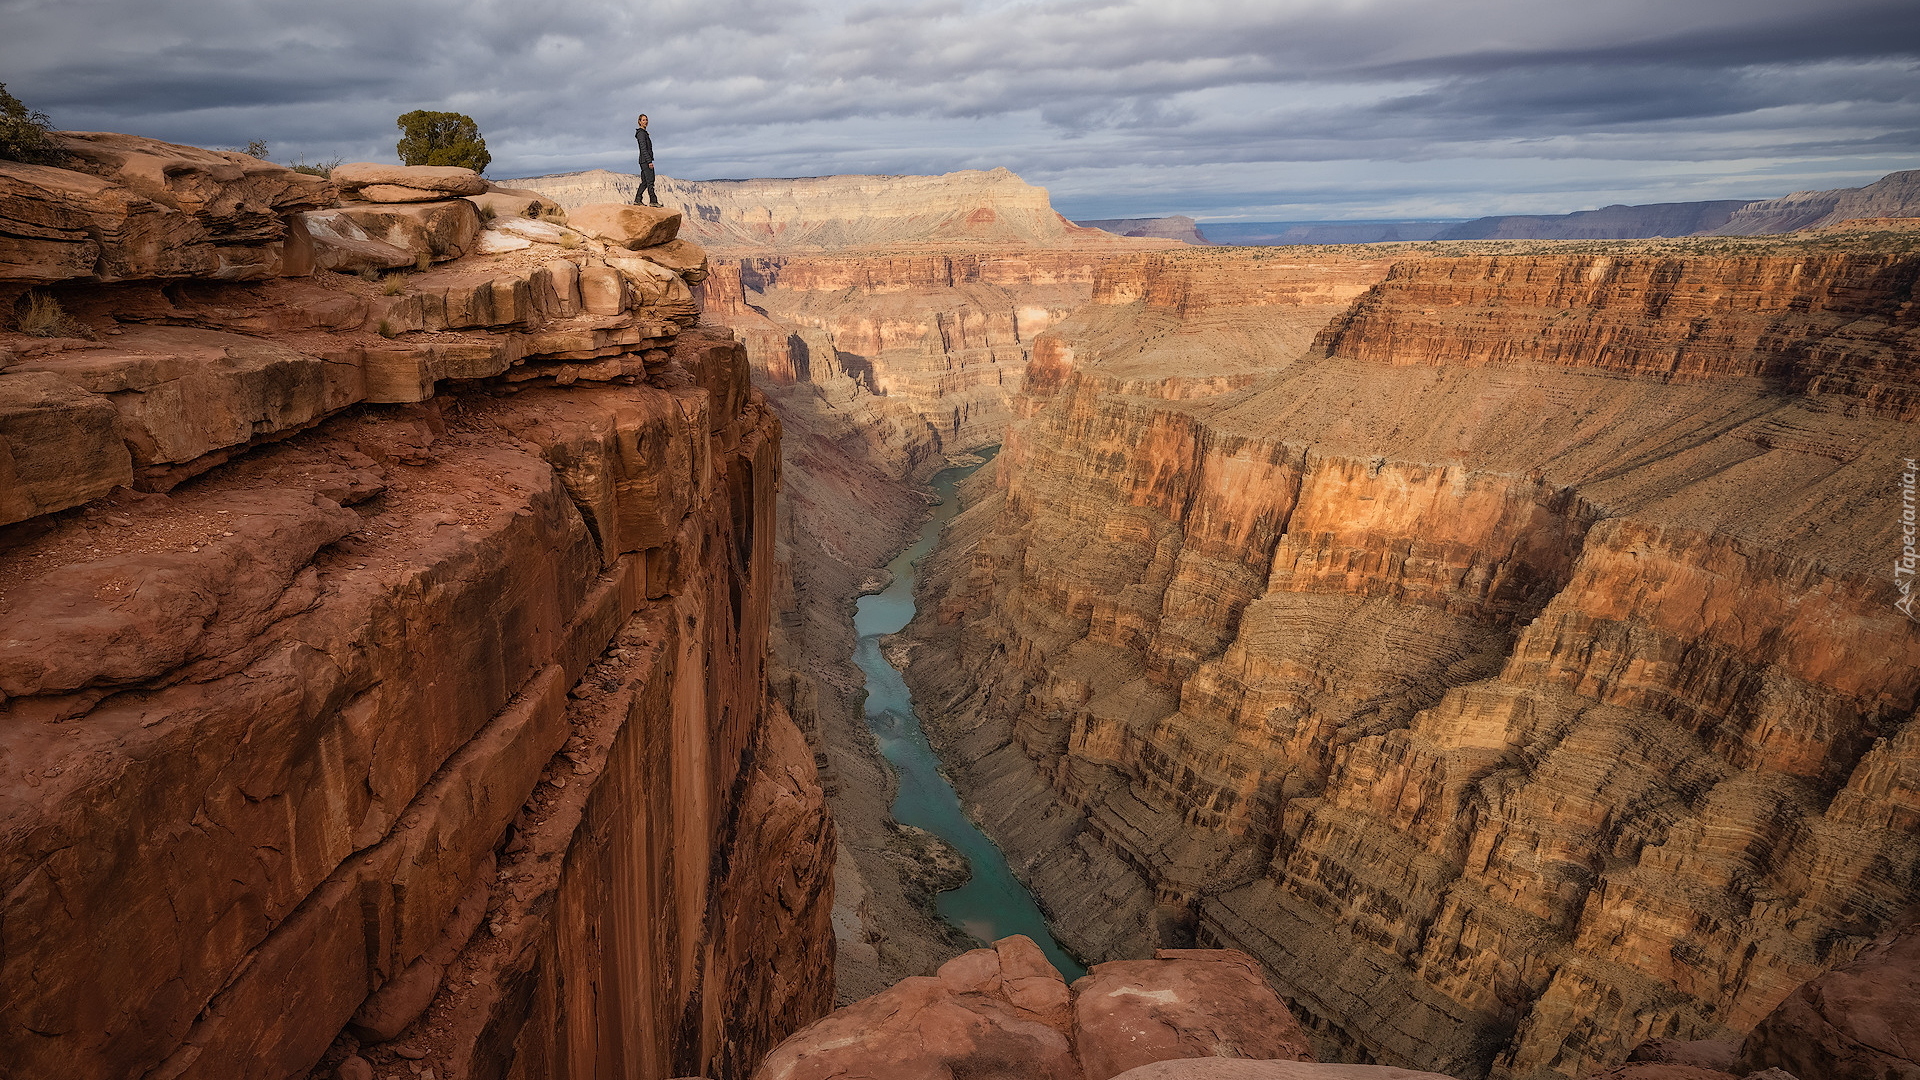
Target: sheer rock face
[1516, 673]
[410, 704]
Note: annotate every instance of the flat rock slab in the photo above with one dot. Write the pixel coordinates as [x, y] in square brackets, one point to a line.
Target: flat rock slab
[450, 180]
[630, 227]
[60, 446]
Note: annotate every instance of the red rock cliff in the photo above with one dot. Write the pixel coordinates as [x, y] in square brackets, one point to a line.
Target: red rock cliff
[382, 683]
[1516, 673]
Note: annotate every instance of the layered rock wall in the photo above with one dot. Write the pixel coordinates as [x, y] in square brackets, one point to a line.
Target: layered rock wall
[1514, 670]
[383, 685]
[829, 213]
[882, 367]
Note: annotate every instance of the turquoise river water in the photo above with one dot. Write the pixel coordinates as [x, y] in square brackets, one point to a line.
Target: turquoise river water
[993, 903]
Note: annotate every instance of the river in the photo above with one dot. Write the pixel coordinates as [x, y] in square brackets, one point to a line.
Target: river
[993, 903]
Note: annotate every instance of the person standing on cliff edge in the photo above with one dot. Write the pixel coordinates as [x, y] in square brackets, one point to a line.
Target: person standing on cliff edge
[645, 191]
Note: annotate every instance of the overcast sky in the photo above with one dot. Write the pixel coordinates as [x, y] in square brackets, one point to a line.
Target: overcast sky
[1222, 109]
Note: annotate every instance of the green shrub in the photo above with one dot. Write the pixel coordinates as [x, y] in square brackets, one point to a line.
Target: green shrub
[24, 133]
[441, 138]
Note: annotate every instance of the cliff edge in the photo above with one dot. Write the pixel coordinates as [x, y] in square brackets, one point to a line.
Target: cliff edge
[387, 581]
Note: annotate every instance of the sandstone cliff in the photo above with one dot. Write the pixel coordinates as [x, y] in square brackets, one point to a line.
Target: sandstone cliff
[825, 213]
[1893, 195]
[1176, 227]
[382, 685]
[1501, 649]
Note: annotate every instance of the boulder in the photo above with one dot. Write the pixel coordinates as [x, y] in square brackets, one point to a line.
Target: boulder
[683, 257]
[973, 1019]
[442, 230]
[450, 181]
[603, 290]
[339, 243]
[60, 446]
[512, 202]
[630, 227]
[1184, 1003]
[1862, 1019]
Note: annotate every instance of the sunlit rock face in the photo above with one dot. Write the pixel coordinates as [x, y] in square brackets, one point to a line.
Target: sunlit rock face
[383, 678]
[1503, 650]
[826, 213]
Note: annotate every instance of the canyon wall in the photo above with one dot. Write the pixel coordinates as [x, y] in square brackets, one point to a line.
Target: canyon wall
[829, 213]
[882, 368]
[383, 683]
[1503, 650]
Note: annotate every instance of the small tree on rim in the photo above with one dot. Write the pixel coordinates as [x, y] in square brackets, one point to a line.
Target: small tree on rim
[23, 133]
[442, 138]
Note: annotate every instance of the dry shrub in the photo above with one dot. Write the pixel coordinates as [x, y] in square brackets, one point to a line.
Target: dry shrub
[38, 315]
[393, 285]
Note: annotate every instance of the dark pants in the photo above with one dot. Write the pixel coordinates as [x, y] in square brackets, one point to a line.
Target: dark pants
[645, 190]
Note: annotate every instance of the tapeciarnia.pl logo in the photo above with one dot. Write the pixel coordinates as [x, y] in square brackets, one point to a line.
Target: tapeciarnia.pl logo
[1909, 561]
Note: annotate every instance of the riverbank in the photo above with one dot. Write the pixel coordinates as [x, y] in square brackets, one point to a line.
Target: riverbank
[992, 903]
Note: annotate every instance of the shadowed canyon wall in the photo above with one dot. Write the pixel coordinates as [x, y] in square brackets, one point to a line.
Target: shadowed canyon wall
[882, 366]
[1503, 650]
[383, 678]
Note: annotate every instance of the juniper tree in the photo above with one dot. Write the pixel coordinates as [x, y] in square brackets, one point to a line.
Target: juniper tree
[442, 138]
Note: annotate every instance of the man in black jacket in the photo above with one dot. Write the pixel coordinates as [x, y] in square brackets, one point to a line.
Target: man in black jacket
[645, 191]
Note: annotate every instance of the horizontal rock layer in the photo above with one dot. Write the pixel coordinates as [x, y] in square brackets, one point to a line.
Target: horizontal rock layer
[1516, 673]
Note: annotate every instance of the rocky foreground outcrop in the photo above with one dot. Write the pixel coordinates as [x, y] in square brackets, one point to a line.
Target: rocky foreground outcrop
[382, 687]
[1503, 650]
[1005, 1012]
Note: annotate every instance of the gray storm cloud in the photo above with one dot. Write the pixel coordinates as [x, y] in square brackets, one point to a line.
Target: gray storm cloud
[1222, 108]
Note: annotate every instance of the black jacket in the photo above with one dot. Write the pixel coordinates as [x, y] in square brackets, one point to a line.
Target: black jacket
[646, 145]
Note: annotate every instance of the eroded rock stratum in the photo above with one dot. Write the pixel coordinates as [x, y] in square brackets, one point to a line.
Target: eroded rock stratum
[382, 678]
[1504, 652]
